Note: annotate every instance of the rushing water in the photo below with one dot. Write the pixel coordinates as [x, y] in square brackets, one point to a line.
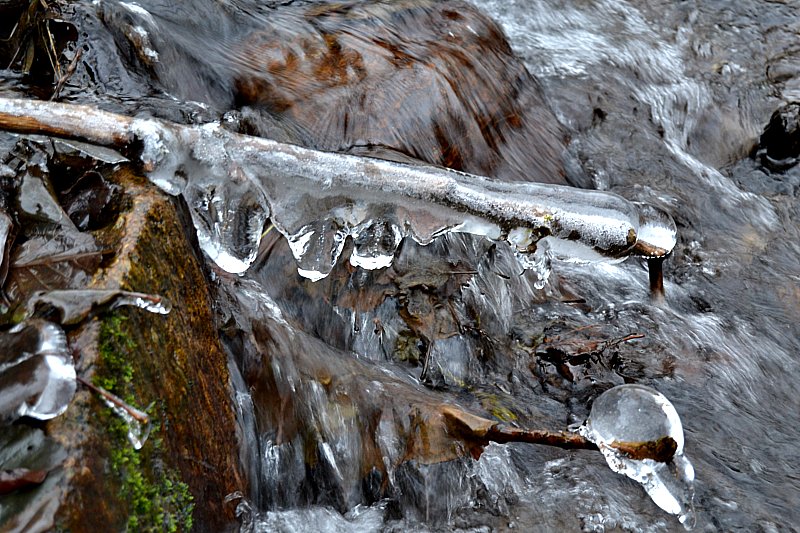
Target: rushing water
[659, 102]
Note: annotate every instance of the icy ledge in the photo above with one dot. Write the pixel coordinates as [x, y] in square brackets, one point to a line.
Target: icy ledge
[235, 183]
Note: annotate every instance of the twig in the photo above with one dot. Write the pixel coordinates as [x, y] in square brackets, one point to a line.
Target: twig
[655, 270]
[52, 55]
[80, 122]
[482, 430]
[62, 80]
[136, 414]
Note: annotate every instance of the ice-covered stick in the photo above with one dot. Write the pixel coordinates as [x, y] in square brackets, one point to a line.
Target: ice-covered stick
[233, 183]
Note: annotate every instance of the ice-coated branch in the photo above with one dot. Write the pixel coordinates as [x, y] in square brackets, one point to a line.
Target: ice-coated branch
[234, 183]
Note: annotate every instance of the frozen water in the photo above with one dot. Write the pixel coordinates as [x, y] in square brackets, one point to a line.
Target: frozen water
[74, 306]
[375, 243]
[37, 376]
[6, 227]
[154, 304]
[138, 422]
[657, 232]
[234, 183]
[632, 425]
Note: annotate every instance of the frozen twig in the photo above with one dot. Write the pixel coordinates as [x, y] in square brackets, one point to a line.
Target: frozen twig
[366, 199]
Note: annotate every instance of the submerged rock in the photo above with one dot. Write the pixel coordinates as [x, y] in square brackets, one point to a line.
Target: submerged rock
[434, 81]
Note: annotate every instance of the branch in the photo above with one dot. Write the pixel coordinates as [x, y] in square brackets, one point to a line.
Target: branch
[591, 225]
[80, 122]
[482, 431]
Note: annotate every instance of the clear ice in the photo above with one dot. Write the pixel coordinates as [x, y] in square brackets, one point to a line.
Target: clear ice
[633, 416]
[138, 422]
[317, 200]
[37, 375]
[76, 305]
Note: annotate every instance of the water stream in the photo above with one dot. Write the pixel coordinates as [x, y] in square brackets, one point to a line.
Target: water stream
[339, 381]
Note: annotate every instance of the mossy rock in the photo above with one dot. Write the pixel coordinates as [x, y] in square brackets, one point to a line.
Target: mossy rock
[172, 367]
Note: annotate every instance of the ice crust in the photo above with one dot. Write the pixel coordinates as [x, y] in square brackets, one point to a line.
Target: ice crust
[637, 414]
[317, 200]
[37, 375]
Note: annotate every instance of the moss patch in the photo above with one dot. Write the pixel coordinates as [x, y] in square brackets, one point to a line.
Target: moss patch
[155, 497]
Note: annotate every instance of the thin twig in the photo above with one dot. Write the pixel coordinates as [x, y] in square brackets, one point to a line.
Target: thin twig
[52, 55]
[73, 65]
[482, 430]
[137, 415]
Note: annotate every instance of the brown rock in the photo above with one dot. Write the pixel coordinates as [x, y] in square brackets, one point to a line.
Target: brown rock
[173, 364]
[436, 81]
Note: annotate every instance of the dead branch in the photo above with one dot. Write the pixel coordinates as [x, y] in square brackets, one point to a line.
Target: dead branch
[80, 122]
[482, 431]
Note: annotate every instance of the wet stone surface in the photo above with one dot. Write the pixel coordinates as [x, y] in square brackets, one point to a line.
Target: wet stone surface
[169, 365]
[434, 81]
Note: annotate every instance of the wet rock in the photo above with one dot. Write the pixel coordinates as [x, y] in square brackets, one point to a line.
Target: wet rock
[780, 142]
[49, 252]
[91, 201]
[168, 365]
[29, 450]
[434, 81]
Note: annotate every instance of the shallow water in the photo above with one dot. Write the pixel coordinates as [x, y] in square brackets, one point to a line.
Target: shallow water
[661, 103]
[661, 112]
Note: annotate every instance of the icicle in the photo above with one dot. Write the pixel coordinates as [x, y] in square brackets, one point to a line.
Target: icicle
[317, 200]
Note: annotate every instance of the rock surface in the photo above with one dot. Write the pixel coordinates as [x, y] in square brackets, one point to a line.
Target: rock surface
[170, 366]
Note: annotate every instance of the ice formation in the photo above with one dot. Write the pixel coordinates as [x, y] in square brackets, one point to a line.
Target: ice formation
[640, 434]
[317, 200]
[137, 422]
[37, 376]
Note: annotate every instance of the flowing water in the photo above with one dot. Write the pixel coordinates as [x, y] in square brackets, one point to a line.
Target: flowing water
[339, 382]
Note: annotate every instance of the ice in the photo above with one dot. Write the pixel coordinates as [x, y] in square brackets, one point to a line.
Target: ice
[657, 232]
[6, 232]
[81, 149]
[640, 434]
[137, 422]
[316, 247]
[375, 243]
[74, 306]
[152, 303]
[37, 376]
[317, 200]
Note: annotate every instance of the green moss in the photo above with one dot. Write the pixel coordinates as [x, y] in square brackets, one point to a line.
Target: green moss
[494, 405]
[407, 348]
[156, 498]
[115, 373]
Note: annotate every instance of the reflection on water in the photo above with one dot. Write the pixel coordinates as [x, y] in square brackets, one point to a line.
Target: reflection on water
[340, 383]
